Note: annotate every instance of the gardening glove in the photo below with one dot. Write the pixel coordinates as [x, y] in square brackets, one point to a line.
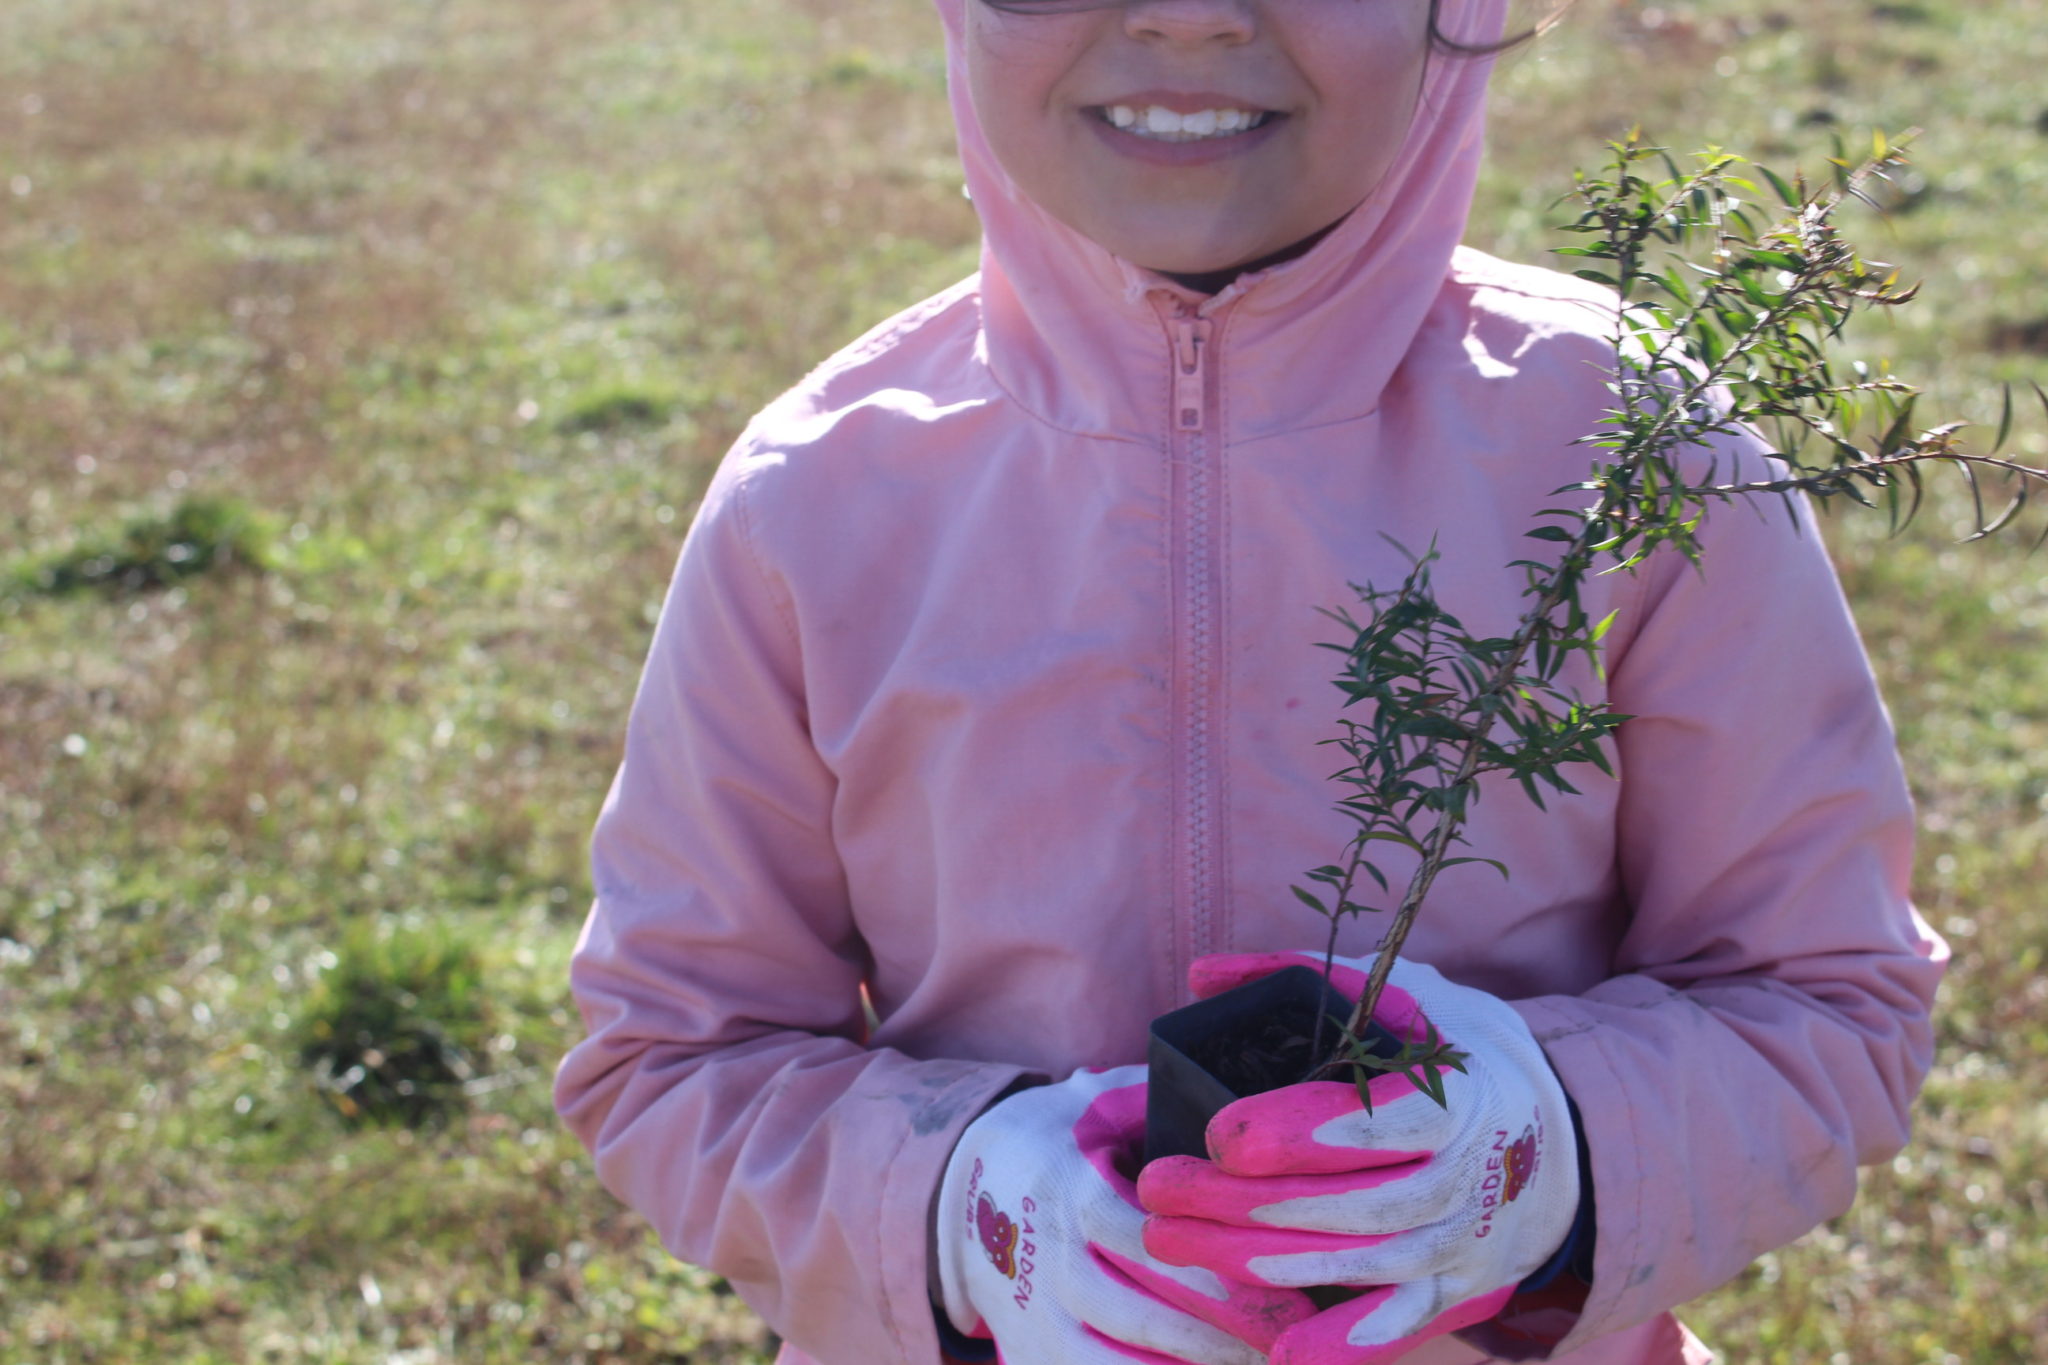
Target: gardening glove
[1041, 1241]
[1439, 1211]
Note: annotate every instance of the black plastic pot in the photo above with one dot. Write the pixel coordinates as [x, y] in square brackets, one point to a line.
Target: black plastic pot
[1257, 1035]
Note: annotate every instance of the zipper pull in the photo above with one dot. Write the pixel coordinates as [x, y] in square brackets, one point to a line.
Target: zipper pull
[1190, 393]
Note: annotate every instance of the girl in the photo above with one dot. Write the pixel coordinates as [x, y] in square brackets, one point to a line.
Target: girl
[987, 691]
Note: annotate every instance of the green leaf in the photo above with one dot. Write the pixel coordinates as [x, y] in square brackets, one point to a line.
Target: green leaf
[1308, 899]
[1784, 191]
[1432, 727]
[1496, 864]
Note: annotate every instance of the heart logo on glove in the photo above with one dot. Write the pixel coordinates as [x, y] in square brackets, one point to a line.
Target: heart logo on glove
[996, 1229]
[998, 1235]
[1519, 1165]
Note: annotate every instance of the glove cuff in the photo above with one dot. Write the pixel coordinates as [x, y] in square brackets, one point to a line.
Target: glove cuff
[951, 1213]
[1575, 1254]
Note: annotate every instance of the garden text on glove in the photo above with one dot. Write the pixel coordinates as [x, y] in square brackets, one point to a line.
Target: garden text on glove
[1437, 1211]
[1041, 1242]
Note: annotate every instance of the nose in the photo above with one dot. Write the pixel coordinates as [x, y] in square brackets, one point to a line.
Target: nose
[1191, 21]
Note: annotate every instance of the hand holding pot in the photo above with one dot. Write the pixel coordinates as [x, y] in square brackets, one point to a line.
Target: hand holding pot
[1041, 1241]
[1439, 1212]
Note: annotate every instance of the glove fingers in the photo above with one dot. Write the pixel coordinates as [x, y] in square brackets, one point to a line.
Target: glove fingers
[1303, 1259]
[1110, 1132]
[1320, 1126]
[1208, 1318]
[1326, 1339]
[1219, 972]
[1124, 1350]
[1382, 1325]
[1124, 1309]
[1375, 1200]
[1252, 1313]
[1263, 1256]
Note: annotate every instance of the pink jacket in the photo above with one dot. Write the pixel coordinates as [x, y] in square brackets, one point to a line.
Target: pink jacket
[987, 684]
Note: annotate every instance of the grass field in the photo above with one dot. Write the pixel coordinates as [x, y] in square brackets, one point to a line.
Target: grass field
[360, 363]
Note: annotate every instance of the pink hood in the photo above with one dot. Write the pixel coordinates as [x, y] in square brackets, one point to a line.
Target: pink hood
[987, 692]
[1072, 335]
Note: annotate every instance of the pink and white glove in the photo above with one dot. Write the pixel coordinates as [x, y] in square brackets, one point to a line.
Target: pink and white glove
[1440, 1211]
[1041, 1241]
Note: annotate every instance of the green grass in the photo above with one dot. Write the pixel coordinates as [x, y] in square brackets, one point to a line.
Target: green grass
[198, 535]
[446, 311]
[395, 1027]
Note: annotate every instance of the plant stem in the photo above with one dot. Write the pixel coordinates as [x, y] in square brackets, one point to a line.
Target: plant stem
[1437, 846]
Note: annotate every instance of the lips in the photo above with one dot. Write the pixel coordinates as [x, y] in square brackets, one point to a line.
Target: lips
[1182, 130]
[1169, 125]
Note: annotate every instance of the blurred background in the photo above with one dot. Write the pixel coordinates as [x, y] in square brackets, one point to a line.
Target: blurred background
[360, 364]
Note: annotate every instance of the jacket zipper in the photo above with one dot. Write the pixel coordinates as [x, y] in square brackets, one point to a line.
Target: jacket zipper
[1201, 875]
[1190, 359]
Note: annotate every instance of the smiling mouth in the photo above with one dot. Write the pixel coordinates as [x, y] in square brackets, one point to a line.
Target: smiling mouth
[1164, 125]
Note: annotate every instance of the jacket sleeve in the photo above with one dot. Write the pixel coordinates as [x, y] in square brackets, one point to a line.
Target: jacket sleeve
[724, 1088]
[1765, 1027]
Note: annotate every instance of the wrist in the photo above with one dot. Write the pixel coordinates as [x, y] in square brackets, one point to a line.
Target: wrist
[956, 1346]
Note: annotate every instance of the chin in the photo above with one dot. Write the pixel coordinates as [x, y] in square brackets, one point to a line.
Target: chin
[1192, 260]
[1195, 243]
[1192, 265]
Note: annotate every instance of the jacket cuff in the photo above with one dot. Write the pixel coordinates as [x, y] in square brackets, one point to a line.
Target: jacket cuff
[902, 1247]
[1611, 1171]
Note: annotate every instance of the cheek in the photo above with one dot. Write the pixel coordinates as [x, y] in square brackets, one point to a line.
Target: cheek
[1014, 73]
[1374, 88]
[1370, 52]
[1014, 63]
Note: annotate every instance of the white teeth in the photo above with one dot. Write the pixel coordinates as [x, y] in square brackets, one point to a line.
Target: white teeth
[1167, 126]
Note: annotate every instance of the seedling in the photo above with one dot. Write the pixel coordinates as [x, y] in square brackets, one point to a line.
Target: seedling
[1728, 317]
[1727, 320]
